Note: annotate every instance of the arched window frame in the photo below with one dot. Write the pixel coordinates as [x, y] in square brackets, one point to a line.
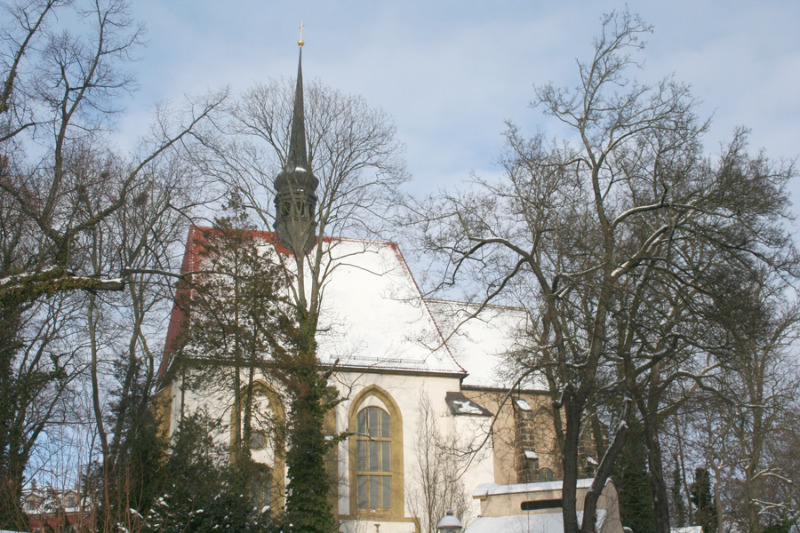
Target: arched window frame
[278, 450]
[386, 403]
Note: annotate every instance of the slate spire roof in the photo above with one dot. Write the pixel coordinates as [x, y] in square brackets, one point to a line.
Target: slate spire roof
[298, 157]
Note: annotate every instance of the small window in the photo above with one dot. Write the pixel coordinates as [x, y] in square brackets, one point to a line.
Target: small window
[530, 467]
[545, 474]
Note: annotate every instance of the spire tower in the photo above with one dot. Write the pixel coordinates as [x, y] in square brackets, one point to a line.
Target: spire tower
[295, 186]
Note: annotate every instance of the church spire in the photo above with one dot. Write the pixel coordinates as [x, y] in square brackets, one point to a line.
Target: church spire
[297, 144]
[295, 186]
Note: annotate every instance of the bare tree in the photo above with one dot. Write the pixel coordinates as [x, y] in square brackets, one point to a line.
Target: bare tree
[607, 238]
[744, 423]
[144, 239]
[436, 485]
[764, 389]
[352, 150]
[64, 105]
[60, 182]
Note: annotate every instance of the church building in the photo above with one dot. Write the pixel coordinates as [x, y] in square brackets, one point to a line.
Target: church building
[417, 376]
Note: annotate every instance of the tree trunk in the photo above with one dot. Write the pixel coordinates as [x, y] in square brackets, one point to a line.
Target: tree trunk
[718, 523]
[658, 486]
[684, 488]
[11, 515]
[603, 471]
[573, 408]
[10, 488]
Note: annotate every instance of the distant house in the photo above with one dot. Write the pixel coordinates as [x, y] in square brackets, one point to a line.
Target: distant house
[55, 510]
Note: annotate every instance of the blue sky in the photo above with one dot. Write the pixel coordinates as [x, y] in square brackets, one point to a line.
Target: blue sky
[450, 73]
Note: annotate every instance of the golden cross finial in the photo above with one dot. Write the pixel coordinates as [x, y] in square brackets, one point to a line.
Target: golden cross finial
[300, 42]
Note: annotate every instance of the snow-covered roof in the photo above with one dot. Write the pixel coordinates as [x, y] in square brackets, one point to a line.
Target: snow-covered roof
[527, 523]
[374, 317]
[480, 339]
[493, 489]
[373, 314]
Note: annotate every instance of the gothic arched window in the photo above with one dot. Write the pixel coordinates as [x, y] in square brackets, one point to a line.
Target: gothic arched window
[374, 459]
[376, 455]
